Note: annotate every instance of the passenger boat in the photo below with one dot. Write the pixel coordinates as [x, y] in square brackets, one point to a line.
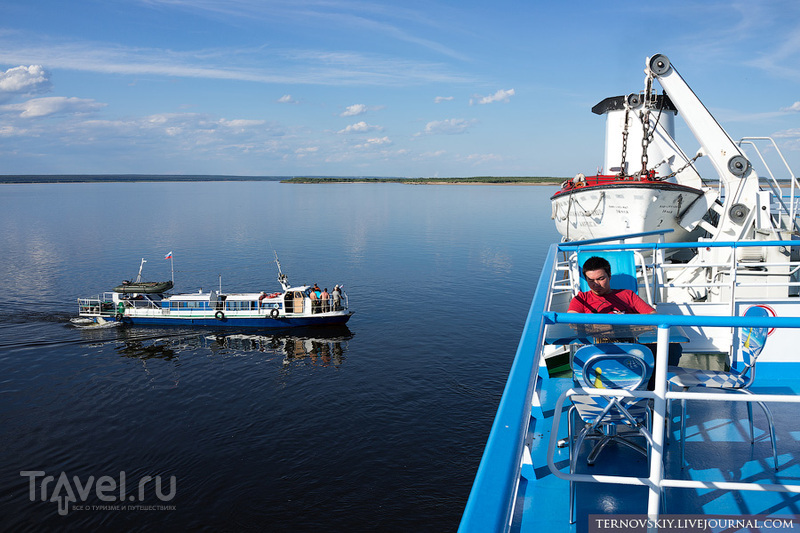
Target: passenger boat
[693, 457]
[147, 303]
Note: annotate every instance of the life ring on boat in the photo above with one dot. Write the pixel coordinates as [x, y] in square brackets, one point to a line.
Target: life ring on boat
[121, 308]
[274, 313]
[219, 315]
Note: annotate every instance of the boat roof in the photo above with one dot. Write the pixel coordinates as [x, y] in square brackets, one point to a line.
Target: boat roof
[192, 296]
[231, 297]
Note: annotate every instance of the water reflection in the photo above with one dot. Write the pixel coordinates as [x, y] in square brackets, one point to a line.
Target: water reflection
[320, 346]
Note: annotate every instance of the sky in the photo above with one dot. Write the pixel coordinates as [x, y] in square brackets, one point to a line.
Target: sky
[364, 88]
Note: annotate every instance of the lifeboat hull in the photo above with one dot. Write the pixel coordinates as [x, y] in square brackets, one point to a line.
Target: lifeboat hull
[608, 207]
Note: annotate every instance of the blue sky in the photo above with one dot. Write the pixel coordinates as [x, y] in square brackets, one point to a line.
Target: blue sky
[363, 88]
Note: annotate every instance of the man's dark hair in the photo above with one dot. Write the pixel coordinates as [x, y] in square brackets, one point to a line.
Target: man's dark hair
[596, 263]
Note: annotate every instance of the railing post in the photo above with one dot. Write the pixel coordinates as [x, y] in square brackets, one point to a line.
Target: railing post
[659, 415]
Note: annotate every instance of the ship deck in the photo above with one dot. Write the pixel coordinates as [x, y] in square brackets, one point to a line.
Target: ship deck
[718, 448]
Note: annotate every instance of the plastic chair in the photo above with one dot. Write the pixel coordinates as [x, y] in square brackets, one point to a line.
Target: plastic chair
[623, 270]
[609, 366]
[752, 341]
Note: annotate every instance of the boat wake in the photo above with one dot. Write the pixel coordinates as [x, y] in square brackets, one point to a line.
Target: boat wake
[88, 323]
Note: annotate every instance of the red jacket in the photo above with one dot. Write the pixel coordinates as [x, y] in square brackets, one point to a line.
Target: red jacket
[616, 301]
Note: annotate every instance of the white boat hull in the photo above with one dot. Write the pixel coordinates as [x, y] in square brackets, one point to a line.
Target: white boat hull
[620, 208]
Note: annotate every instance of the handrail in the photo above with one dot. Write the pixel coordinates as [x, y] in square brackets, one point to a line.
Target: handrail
[551, 317]
[571, 247]
[656, 481]
[791, 210]
[732, 267]
[631, 480]
[491, 499]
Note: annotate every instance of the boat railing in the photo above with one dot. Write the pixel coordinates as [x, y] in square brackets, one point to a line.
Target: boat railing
[100, 305]
[142, 301]
[490, 505]
[733, 269]
[329, 304]
[656, 480]
[783, 216]
[565, 281]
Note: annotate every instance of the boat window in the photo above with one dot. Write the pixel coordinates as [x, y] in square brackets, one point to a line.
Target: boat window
[241, 306]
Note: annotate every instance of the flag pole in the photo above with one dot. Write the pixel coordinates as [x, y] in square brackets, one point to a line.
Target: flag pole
[171, 265]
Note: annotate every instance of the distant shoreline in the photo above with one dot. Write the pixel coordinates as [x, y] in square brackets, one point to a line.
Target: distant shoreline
[134, 178]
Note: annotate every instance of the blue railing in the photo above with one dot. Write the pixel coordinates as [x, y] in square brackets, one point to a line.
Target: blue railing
[574, 246]
[671, 320]
[490, 502]
[491, 499]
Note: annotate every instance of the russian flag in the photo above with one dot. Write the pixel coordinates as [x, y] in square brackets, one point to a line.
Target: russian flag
[168, 256]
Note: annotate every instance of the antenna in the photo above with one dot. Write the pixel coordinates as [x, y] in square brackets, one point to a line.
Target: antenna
[281, 276]
[139, 276]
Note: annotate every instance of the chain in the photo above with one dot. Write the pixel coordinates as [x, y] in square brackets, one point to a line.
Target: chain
[647, 135]
[684, 167]
[624, 140]
[650, 100]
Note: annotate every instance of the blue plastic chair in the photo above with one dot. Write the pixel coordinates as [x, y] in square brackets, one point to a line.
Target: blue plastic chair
[623, 270]
[752, 341]
[609, 366]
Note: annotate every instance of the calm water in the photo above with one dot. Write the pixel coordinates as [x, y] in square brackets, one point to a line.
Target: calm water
[377, 426]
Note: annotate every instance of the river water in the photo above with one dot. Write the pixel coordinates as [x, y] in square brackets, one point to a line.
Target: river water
[376, 426]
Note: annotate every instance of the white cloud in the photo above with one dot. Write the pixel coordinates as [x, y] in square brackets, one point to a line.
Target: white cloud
[479, 159]
[794, 107]
[440, 99]
[375, 141]
[302, 152]
[256, 64]
[795, 132]
[11, 131]
[241, 123]
[452, 126]
[23, 80]
[353, 110]
[41, 107]
[287, 99]
[360, 127]
[500, 96]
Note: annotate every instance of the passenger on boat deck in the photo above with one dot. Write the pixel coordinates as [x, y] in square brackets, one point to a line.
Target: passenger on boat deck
[326, 303]
[601, 298]
[337, 298]
[314, 301]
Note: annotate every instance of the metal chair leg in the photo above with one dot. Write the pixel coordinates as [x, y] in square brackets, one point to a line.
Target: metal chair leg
[770, 421]
[768, 414]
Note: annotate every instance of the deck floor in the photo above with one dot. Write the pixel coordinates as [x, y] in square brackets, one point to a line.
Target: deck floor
[718, 448]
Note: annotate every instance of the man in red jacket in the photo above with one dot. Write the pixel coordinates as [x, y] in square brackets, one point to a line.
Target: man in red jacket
[601, 298]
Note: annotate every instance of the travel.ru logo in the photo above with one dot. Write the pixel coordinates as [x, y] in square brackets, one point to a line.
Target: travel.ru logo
[65, 491]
